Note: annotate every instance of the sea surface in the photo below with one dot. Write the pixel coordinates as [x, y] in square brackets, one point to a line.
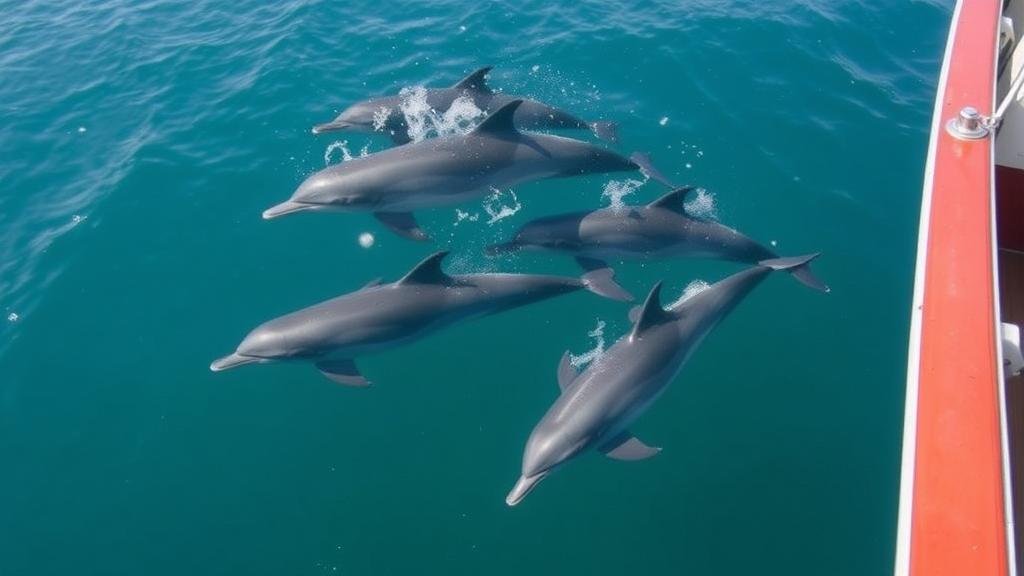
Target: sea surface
[140, 142]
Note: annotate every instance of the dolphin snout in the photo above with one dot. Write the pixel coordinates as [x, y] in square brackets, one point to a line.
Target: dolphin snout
[283, 208]
[231, 361]
[523, 487]
[332, 126]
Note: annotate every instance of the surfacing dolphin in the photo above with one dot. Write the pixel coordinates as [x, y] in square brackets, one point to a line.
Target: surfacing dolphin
[597, 406]
[382, 316]
[450, 170]
[385, 114]
[659, 230]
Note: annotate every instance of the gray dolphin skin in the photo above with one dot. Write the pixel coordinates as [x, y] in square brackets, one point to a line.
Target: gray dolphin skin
[385, 115]
[449, 170]
[660, 230]
[382, 316]
[597, 406]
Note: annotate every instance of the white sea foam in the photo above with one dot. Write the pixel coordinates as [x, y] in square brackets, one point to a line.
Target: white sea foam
[691, 290]
[617, 190]
[423, 121]
[703, 205]
[594, 353]
[380, 118]
[463, 216]
[496, 207]
[342, 145]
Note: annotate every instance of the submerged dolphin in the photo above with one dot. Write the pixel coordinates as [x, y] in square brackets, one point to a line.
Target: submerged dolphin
[385, 114]
[450, 170]
[661, 229]
[382, 316]
[596, 407]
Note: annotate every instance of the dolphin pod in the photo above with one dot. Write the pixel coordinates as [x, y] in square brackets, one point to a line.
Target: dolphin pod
[661, 229]
[449, 170]
[597, 406]
[382, 316]
[384, 114]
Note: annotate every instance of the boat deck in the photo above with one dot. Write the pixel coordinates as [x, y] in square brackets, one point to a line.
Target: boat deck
[1011, 290]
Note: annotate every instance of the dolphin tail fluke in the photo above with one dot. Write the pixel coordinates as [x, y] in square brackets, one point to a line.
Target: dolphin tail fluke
[602, 282]
[643, 162]
[607, 131]
[800, 268]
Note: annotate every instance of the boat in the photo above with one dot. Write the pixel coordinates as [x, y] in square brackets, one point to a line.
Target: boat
[962, 471]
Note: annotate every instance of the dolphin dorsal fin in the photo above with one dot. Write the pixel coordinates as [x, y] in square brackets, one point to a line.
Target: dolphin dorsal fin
[674, 200]
[500, 121]
[428, 271]
[476, 81]
[652, 313]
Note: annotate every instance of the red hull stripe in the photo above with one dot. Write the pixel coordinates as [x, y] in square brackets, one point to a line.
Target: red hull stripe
[957, 523]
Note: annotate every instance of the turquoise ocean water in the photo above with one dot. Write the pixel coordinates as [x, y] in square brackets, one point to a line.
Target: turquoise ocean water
[140, 142]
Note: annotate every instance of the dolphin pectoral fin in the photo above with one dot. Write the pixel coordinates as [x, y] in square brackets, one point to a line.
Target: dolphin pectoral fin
[566, 372]
[602, 282]
[343, 372]
[402, 223]
[607, 131]
[625, 446]
[643, 162]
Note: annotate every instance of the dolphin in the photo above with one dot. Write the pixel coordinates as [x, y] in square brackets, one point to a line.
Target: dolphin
[658, 230]
[449, 170]
[597, 407]
[383, 316]
[384, 114]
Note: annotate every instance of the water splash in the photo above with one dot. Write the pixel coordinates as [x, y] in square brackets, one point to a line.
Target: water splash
[496, 207]
[346, 154]
[463, 216]
[594, 353]
[342, 145]
[380, 118]
[691, 290]
[422, 121]
[617, 190]
[703, 205]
